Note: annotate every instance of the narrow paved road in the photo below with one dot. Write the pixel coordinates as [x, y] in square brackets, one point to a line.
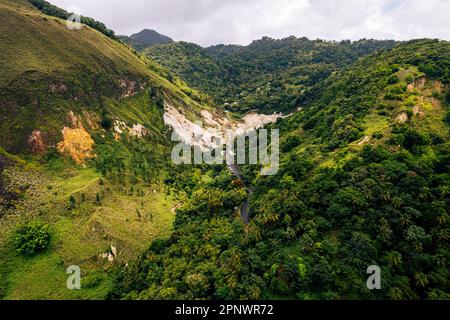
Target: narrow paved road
[245, 208]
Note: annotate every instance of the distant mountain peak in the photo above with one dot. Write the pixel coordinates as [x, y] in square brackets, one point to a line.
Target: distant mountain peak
[150, 35]
[146, 38]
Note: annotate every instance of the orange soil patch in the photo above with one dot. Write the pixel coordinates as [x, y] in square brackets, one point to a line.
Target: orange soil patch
[77, 143]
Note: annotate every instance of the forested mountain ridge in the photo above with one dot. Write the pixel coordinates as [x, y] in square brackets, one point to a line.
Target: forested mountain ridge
[51, 10]
[364, 180]
[268, 75]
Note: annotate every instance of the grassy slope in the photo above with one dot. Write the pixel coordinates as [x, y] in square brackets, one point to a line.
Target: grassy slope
[78, 236]
[38, 51]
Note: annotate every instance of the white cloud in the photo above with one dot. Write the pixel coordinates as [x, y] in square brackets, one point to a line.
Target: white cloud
[208, 22]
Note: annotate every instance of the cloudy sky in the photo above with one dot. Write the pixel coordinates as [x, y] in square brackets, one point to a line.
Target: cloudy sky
[208, 22]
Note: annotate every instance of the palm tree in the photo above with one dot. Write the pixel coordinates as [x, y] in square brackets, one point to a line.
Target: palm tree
[421, 279]
[425, 193]
[386, 196]
[395, 294]
[444, 191]
[405, 220]
[395, 258]
[396, 202]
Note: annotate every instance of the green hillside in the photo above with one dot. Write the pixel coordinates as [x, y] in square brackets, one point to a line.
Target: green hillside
[48, 71]
[86, 177]
[268, 75]
[83, 154]
[364, 180]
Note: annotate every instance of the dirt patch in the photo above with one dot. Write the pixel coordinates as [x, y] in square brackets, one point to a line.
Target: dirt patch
[7, 196]
[129, 88]
[91, 119]
[438, 86]
[75, 121]
[77, 143]
[58, 88]
[365, 140]
[436, 103]
[36, 143]
[420, 82]
[418, 112]
[402, 118]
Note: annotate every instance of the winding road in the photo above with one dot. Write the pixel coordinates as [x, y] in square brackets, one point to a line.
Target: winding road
[245, 208]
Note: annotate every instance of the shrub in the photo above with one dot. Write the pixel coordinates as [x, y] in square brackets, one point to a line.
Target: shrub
[106, 121]
[415, 138]
[393, 79]
[31, 238]
[447, 118]
[291, 143]
[3, 285]
[72, 203]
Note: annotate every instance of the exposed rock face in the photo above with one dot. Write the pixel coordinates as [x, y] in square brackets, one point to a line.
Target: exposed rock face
[129, 88]
[92, 120]
[138, 130]
[58, 88]
[257, 121]
[187, 130]
[75, 121]
[36, 143]
[212, 128]
[402, 118]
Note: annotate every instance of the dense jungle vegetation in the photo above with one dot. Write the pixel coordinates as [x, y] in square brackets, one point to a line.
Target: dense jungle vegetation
[358, 186]
[268, 75]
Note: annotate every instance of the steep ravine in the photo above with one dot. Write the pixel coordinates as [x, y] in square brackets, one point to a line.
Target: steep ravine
[214, 125]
